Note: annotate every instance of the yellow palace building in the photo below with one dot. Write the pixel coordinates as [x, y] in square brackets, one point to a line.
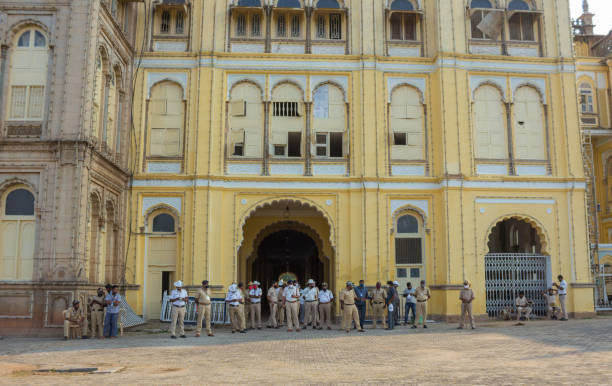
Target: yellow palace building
[358, 139]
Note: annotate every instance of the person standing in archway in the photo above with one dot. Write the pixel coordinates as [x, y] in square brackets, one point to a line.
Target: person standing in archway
[273, 304]
[255, 296]
[281, 305]
[325, 301]
[291, 299]
[348, 297]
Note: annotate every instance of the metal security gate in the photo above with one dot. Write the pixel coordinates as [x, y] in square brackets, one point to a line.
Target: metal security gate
[508, 273]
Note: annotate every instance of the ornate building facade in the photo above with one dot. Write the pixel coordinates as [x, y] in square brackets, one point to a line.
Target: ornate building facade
[593, 80]
[333, 139]
[65, 92]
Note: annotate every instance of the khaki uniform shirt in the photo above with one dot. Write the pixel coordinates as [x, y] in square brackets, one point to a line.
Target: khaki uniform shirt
[422, 294]
[75, 316]
[378, 295]
[203, 297]
[273, 294]
[96, 306]
[245, 296]
[348, 297]
[522, 302]
[466, 295]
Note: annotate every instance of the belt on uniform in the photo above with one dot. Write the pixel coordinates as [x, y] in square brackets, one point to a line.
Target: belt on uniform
[174, 305]
[421, 301]
[324, 303]
[378, 302]
[346, 304]
[292, 301]
[205, 304]
[310, 301]
[97, 310]
[231, 305]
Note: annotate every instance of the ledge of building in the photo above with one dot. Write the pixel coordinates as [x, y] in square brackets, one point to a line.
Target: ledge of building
[582, 285]
[456, 287]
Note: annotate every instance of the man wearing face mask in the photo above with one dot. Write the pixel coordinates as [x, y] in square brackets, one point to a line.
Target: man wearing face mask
[204, 308]
[280, 312]
[377, 301]
[96, 304]
[466, 296]
[349, 311]
[422, 295]
[291, 302]
[325, 301]
[255, 296]
[362, 295]
[273, 304]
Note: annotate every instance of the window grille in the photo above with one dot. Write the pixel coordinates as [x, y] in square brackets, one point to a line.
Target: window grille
[165, 22]
[163, 223]
[295, 26]
[281, 29]
[241, 25]
[586, 98]
[321, 27]
[285, 109]
[256, 25]
[408, 250]
[521, 27]
[180, 23]
[335, 26]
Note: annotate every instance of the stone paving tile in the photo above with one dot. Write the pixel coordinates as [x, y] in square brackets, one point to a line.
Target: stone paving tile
[574, 352]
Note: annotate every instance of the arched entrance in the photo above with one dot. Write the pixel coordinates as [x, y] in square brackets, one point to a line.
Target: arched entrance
[516, 261]
[286, 238]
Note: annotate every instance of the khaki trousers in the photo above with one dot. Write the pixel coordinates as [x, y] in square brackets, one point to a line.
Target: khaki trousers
[293, 310]
[236, 317]
[466, 310]
[552, 310]
[562, 299]
[379, 312]
[281, 314]
[255, 314]
[311, 313]
[97, 323]
[523, 310]
[350, 313]
[421, 308]
[246, 309]
[204, 312]
[178, 316]
[67, 329]
[272, 319]
[325, 314]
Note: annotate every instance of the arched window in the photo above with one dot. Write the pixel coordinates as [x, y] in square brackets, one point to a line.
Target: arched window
[246, 121]
[329, 123]
[490, 131]
[328, 23]
[518, 5]
[166, 120]
[17, 235]
[521, 24]
[586, 98]
[28, 76]
[408, 241]
[403, 26]
[163, 223]
[528, 121]
[407, 124]
[287, 122]
[402, 5]
[477, 15]
[111, 111]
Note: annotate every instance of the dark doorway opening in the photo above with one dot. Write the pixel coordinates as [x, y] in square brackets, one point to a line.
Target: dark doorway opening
[286, 251]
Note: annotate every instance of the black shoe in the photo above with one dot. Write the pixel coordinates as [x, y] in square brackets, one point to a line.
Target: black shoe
[173, 336]
[84, 337]
[563, 319]
[183, 336]
[243, 332]
[413, 327]
[388, 329]
[65, 338]
[424, 326]
[473, 328]
[459, 328]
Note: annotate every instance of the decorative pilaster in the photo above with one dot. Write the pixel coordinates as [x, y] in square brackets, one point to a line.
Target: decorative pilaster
[308, 166]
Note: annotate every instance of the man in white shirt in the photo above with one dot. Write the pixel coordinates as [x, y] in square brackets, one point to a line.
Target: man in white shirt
[234, 299]
[325, 301]
[291, 302]
[281, 307]
[311, 301]
[523, 306]
[255, 295]
[410, 303]
[179, 299]
[273, 304]
[562, 293]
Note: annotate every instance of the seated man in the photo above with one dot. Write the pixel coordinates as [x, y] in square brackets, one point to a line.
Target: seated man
[522, 306]
[553, 310]
[75, 322]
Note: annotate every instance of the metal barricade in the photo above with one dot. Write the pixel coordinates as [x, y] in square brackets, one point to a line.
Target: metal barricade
[218, 314]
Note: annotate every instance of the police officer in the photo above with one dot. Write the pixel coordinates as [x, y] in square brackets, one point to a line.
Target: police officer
[204, 308]
[422, 295]
[235, 300]
[246, 307]
[311, 301]
[255, 296]
[179, 299]
[362, 295]
[291, 302]
[96, 304]
[377, 302]
[466, 296]
[349, 310]
[326, 297]
[280, 312]
[273, 304]
[74, 317]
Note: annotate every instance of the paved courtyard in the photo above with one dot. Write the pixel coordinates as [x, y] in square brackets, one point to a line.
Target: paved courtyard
[574, 352]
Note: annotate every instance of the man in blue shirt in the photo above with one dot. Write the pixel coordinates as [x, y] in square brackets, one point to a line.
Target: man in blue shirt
[112, 300]
[362, 295]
